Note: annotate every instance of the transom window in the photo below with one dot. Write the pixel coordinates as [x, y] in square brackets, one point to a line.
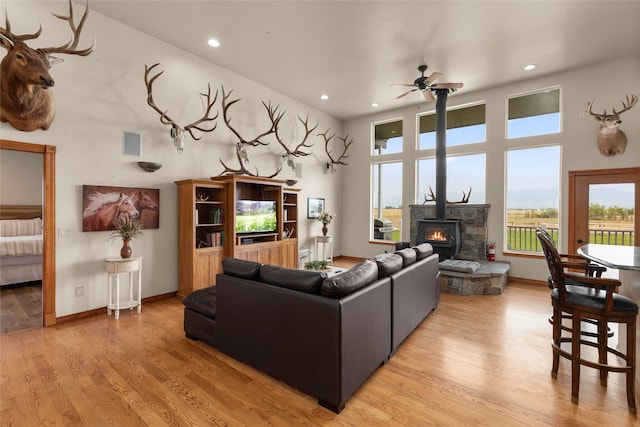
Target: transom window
[466, 125]
[387, 138]
[533, 114]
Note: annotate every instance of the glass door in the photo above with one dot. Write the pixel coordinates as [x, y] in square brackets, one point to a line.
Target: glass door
[603, 206]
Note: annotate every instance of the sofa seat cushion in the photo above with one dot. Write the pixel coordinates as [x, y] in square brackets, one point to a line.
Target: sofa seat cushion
[241, 268]
[357, 277]
[423, 250]
[408, 256]
[203, 301]
[388, 264]
[298, 280]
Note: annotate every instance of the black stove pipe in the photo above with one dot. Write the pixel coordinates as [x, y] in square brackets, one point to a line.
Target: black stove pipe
[441, 152]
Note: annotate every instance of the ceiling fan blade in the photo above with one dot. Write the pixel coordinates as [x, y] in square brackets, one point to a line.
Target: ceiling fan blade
[447, 86]
[428, 96]
[404, 94]
[432, 78]
[403, 84]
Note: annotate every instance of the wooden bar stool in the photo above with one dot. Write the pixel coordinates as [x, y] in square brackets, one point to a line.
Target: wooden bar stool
[593, 299]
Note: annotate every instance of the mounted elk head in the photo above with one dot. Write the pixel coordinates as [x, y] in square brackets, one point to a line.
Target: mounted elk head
[275, 115]
[178, 132]
[25, 99]
[289, 154]
[346, 142]
[611, 140]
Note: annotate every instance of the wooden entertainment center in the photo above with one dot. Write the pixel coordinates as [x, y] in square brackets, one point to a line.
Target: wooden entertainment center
[207, 227]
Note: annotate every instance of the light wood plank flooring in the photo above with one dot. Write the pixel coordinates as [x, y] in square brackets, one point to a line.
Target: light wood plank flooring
[475, 361]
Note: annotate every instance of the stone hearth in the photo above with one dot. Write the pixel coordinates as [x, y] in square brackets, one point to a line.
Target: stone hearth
[490, 279]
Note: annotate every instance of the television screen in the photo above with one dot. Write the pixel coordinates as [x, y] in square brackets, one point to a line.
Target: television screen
[254, 216]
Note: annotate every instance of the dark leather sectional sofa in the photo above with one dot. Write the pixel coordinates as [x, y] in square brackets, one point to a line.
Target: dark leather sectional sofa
[324, 336]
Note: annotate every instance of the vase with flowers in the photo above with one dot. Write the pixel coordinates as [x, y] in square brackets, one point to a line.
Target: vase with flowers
[127, 229]
[325, 218]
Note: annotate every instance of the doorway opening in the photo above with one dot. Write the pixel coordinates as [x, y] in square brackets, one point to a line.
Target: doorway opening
[48, 223]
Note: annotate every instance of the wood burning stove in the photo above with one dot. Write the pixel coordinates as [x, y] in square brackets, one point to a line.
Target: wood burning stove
[444, 235]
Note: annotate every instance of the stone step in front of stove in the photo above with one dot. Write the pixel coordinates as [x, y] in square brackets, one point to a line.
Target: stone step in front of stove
[490, 279]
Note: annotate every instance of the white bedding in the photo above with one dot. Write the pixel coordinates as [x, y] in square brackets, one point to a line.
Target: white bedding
[21, 245]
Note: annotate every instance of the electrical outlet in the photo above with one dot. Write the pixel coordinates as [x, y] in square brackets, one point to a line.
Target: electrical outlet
[80, 291]
[64, 233]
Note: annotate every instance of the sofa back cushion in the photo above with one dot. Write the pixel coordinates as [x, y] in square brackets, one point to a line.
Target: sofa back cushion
[357, 277]
[298, 280]
[241, 268]
[408, 256]
[388, 264]
[423, 250]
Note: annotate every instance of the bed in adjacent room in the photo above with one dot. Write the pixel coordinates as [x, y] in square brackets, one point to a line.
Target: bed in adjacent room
[20, 244]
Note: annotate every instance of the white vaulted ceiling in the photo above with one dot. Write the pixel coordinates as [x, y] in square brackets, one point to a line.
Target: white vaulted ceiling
[353, 50]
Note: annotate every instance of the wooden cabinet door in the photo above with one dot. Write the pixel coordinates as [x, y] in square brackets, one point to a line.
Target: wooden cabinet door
[207, 265]
[290, 253]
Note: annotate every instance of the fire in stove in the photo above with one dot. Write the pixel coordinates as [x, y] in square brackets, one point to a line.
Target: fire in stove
[444, 235]
[438, 236]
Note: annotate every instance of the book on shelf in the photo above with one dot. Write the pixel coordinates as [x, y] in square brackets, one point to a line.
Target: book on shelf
[215, 239]
[216, 216]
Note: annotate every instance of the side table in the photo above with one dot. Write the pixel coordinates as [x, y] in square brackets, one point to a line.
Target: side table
[324, 242]
[115, 266]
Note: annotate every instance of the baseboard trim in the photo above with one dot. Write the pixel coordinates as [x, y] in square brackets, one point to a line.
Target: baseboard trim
[101, 310]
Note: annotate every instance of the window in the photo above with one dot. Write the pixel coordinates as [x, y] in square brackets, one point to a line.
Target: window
[387, 138]
[387, 201]
[464, 126]
[532, 196]
[534, 114]
[463, 173]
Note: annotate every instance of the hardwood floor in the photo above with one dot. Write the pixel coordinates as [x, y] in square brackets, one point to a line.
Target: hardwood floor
[20, 307]
[477, 360]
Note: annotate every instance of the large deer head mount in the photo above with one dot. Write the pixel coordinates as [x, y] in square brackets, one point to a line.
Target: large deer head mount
[611, 140]
[26, 101]
[178, 132]
[340, 160]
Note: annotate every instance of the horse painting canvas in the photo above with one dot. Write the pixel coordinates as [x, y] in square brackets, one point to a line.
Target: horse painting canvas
[101, 205]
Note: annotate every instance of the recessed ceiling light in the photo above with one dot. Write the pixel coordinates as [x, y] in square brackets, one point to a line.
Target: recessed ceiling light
[324, 97]
[529, 67]
[374, 104]
[213, 43]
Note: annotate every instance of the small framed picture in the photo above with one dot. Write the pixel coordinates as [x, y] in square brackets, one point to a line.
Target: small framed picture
[315, 206]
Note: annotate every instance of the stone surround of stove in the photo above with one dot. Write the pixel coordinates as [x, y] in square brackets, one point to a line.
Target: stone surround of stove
[473, 226]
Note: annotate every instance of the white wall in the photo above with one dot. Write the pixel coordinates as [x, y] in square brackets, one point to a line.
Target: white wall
[20, 178]
[100, 96]
[608, 83]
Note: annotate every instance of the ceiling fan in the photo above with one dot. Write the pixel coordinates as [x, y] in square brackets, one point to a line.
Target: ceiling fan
[426, 85]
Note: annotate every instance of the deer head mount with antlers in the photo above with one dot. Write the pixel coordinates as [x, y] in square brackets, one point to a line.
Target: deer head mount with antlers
[346, 143]
[178, 132]
[611, 140]
[26, 101]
